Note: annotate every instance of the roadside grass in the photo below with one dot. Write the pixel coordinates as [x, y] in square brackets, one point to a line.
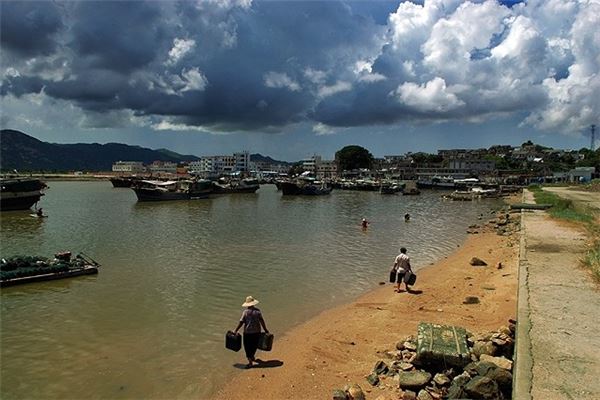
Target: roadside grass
[565, 209]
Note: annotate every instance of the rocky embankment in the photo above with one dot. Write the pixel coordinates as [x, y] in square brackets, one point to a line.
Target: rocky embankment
[418, 369]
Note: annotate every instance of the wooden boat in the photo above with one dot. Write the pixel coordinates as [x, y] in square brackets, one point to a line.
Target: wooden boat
[20, 193]
[304, 186]
[247, 185]
[188, 189]
[19, 270]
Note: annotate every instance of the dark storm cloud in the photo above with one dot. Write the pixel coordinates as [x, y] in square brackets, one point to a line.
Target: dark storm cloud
[115, 35]
[29, 28]
[123, 58]
[236, 65]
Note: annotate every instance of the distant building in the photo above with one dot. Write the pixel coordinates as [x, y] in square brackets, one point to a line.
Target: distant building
[320, 168]
[581, 174]
[472, 165]
[213, 166]
[163, 167]
[129, 167]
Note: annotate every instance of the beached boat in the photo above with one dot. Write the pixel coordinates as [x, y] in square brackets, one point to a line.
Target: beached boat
[20, 193]
[26, 269]
[305, 186]
[248, 185]
[187, 189]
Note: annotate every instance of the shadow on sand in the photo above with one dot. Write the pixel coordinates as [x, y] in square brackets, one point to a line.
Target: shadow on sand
[261, 364]
[411, 291]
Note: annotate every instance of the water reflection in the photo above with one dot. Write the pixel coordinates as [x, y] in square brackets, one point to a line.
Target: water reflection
[173, 276]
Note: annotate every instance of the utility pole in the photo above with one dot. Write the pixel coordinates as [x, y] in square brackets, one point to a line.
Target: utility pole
[593, 137]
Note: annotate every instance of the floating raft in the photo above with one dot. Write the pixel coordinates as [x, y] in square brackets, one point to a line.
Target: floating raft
[26, 269]
[529, 206]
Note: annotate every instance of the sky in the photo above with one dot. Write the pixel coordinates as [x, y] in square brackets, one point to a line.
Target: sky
[290, 79]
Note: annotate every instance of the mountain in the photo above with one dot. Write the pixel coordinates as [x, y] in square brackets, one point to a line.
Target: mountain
[260, 158]
[25, 153]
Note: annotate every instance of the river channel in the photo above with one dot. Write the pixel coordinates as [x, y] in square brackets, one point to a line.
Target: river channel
[151, 324]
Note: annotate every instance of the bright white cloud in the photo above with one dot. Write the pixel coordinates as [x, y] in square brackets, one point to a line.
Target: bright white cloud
[180, 48]
[280, 81]
[432, 96]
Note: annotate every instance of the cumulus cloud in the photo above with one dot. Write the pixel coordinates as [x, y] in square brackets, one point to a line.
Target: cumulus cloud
[243, 65]
[278, 80]
[180, 48]
[432, 96]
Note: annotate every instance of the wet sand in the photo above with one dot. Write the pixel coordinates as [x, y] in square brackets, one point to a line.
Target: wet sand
[341, 345]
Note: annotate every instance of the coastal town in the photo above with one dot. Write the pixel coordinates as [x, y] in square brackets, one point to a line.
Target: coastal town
[300, 200]
[521, 165]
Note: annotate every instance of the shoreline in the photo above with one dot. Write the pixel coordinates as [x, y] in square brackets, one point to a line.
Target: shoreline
[341, 345]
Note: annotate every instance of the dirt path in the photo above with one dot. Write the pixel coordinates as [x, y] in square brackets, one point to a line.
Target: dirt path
[342, 345]
[589, 199]
[562, 303]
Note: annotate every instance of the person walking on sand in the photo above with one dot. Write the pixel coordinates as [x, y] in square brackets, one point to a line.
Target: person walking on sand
[252, 320]
[401, 267]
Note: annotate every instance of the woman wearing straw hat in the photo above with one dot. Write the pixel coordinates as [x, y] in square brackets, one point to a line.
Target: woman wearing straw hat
[252, 320]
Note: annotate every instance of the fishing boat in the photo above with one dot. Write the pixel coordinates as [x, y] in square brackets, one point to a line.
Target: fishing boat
[123, 181]
[26, 269]
[20, 193]
[186, 189]
[305, 186]
[247, 185]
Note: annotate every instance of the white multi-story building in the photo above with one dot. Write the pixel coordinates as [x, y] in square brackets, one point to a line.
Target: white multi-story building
[218, 165]
[163, 167]
[319, 167]
[130, 167]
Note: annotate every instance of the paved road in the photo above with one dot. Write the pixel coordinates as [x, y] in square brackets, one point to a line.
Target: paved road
[589, 199]
[557, 354]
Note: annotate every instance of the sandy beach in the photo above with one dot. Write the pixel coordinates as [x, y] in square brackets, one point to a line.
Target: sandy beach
[342, 345]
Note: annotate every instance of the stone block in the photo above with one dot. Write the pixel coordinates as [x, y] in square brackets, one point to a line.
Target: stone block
[442, 345]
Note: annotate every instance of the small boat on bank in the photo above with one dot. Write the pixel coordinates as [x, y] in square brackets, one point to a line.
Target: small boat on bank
[186, 189]
[248, 185]
[20, 193]
[26, 269]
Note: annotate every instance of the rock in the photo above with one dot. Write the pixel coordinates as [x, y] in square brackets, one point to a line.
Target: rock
[456, 392]
[481, 347]
[462, 379]
[409, 395]
[506, 330]
[339, 394]
[499, 265]
[424, 395]
[381, 368]
[471, 300]
[499, 342]
[502, 377]
[405, 366]
[410, 346]
[355, 392]
[413, 380]
[373, 379]
[393, 354]
[400, 346]
[441, 380]
[501, 362]
[477, 262]
[482, 387]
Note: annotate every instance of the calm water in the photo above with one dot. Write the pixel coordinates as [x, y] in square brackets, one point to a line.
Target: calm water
[174, 274]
